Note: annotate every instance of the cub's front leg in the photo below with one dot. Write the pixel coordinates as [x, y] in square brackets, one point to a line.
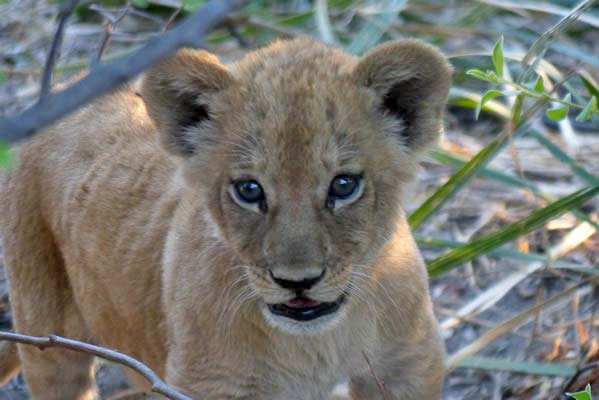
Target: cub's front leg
[411, 367]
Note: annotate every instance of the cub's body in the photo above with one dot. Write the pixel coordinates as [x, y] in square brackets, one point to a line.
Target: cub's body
[113, 237]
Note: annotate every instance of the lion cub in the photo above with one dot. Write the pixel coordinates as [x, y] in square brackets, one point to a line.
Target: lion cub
[257, 250]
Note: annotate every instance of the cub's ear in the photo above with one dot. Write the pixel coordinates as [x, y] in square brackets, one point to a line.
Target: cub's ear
[411, 81]
[177, 93]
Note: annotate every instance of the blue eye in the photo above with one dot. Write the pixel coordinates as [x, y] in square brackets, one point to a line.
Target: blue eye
[343, 187]
[249, 191]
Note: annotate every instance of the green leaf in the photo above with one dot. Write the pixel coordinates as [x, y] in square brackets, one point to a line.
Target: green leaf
[477, 73]
[6, 155]
[539, 85]
[492, 77]
[461, 177]
[498, 57]
[490, 94]
[557, 113]
[461, 97]
[588, 110]
[295, 19]
[488, 76]
[140, 3]
[582, 395]
[510, 232]
[589, 83]
[560, 111]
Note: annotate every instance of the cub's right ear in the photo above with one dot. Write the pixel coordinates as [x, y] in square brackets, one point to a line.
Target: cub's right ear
[177, 93]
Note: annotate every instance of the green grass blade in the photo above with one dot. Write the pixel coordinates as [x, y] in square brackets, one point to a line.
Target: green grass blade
[549, 8]
[566, 21]
[523, 367]
[6, 155]
[376, 26]
[589, 83]
[427, 241]
[533, 66]
[451, 160]
[454, 161]
[510, 232]
[566, 159]
[323, 23]
[574, 52]
[461, 177]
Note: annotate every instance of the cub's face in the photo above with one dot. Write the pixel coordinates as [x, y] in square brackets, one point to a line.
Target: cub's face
[301, 153]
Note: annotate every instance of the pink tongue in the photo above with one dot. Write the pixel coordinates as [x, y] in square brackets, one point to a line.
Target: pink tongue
[302, 302]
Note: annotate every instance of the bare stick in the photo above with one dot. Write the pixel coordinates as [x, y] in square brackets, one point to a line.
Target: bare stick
[234, 31]
[104, 78]
[381, 384]
[105, 41]
[65, 12]
[109, 25]
[173, 16]
[42, 343]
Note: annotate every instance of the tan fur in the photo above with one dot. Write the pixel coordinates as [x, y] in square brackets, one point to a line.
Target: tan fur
[9, 364]
[109, 238]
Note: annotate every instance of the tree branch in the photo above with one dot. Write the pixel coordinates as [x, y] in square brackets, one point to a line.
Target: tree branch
[42, 343]
[173, 16]
[190, 33]
[110, 24]
[65, 12]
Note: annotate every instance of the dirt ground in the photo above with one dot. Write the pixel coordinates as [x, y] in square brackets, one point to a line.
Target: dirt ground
[565, 333]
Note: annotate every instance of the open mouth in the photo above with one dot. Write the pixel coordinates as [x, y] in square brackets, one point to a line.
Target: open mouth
[305, 309]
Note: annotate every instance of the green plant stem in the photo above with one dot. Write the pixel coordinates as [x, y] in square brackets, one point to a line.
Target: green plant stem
[537, 95]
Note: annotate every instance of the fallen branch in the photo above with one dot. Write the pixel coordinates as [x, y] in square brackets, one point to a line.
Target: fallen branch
[42, 343]
[103, 78]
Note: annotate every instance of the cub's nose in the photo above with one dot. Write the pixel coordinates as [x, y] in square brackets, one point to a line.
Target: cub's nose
[296, 285]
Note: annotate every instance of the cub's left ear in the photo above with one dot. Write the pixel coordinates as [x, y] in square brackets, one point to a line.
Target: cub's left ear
[411, 81]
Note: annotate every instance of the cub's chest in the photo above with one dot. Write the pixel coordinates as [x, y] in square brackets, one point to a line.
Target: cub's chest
[311, 369]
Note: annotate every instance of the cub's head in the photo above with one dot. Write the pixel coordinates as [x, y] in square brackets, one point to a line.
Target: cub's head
[299, 154]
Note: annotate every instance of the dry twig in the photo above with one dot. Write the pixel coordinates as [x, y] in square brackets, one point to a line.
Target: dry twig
[42, 343]
[109, 25]
[173, 16]
[380, 383]
[65, 12]
[104, 78]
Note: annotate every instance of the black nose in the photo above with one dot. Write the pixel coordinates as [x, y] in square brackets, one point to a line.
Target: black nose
[303, 284]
